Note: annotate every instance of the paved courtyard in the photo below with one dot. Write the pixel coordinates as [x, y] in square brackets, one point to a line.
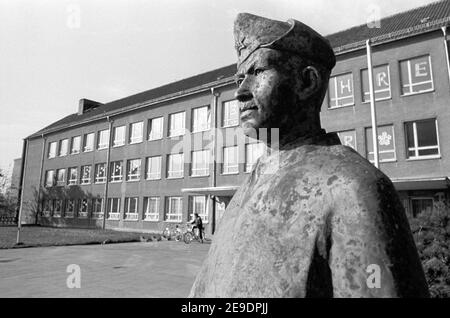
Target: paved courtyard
[153, 269]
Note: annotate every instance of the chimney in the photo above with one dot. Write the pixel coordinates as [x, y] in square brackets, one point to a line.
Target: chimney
[87, 105]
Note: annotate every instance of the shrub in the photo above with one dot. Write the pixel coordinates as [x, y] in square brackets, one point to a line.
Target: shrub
[431, 231]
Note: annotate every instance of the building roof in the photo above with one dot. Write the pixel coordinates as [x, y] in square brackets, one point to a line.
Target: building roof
[405, 24]
[408, 23]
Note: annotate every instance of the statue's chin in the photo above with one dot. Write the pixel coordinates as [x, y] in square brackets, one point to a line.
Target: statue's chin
[249, 128]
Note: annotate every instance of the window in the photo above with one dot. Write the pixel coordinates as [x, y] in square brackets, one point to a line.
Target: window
[200, 163]
[119, 136]
[421, 205]
[70, 209]
[252, 153]
[103, 139]
[131, 209]
[97, 208]
[155, 128]
[52, 149]
[88, 143]
[201, 119]
[154, 168]
[57, 208]
[230, 160]
[175, 166]
[340, 91]
[151, 208]
[73, 176]
[133, 169]
[176, 124]
[85, 174]
[230, 113]
[116, 171]
[174, 209]
[386, 144]
[100, 173]
[422, 139]
[75, 145]
[381, 83]
[48, 208]
[49, 178]
[197, 204]
[61, 177]
[136, 131]
[83, 208]
[348, 138]
[416, 75]
[63, 147]
[113, 208]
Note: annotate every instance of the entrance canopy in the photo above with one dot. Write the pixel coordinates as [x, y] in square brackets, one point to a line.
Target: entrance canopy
[421, 183]
[226, 191]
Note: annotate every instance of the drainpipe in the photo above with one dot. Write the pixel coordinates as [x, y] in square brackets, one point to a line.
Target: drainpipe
[44, 140]
[108, 154]
[215, 96]
[20, 198]
[444, 30]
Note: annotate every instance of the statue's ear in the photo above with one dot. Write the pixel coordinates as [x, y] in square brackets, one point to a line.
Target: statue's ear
[312, 82]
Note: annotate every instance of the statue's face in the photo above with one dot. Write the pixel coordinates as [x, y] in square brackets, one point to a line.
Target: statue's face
[269, 83]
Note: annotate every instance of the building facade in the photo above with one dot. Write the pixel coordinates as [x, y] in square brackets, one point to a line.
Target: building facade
[154, 158]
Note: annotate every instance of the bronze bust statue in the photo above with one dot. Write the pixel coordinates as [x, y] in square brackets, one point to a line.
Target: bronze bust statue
[324, 222]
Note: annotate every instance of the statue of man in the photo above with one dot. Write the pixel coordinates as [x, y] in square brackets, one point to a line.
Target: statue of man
[314, 218]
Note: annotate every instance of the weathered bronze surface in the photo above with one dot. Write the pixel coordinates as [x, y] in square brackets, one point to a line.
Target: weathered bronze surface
[314, 218]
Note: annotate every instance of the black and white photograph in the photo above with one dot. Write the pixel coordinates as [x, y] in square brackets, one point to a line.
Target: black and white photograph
[245, 151]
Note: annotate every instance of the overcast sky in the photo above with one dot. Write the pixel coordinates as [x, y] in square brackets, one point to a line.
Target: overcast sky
[54, 52]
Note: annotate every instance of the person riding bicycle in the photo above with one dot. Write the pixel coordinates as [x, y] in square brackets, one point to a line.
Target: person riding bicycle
[198, 223]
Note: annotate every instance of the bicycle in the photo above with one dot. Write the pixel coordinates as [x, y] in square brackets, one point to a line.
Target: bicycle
[191, 235]
[175, 234]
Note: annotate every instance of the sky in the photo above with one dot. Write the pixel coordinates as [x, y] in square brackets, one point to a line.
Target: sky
[55, 52]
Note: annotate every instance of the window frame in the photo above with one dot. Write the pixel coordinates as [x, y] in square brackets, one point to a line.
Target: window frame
[205, 214]
[103, 145]
[113, 215]
[85, 142]
[136, 139]
[74, 151]
[375, 91]
[97, 215]
[336, 88]
[176, 132]
[121, 142]
[247, 168]
[416, 148]
[97, 179]
[147, 168]
[160, 135]
[207, 160]
[60, 147]
[131, 216]
[408, 60]
[226, 119]
[112, 177]
[366, 129]
[168, 209]
[83, 180]
[169, 171]
[147, 216]
[133, 177]
[196, 128]
[224, 163]
[50, 154]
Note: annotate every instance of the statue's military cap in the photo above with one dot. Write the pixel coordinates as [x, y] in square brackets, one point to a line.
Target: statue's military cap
[253, 32]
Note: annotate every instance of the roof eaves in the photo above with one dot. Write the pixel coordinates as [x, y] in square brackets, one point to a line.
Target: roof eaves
[394, 36]
[195, 90]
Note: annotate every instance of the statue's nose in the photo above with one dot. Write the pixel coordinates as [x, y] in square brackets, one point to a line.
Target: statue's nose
[243, 93]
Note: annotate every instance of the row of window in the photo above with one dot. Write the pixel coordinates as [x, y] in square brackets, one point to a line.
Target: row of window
[415, 76]
[175, 167]
[201, 121]
[422, 141]
[94, 208]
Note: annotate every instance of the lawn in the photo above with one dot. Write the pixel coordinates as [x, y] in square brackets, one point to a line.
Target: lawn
[48, 236]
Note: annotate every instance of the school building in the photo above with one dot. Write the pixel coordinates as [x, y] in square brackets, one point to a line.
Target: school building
[154, 158]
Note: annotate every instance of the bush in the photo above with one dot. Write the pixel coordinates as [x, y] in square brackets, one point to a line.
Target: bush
[431, 231]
